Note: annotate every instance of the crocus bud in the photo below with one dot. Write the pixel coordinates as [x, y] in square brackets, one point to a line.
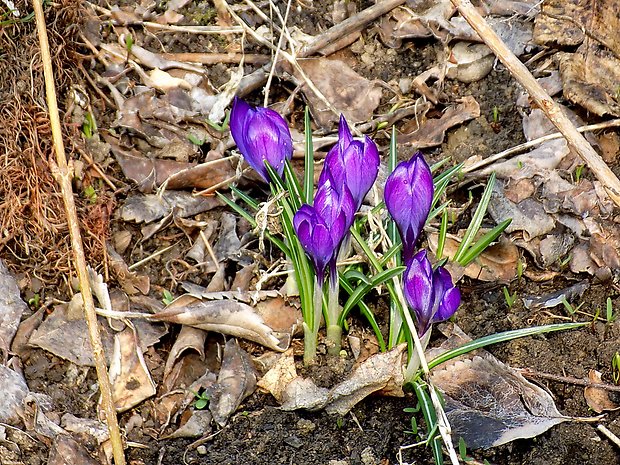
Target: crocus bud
[322, 226]
[262, 136]
[408, 196]
[352, 163]
[431, 295]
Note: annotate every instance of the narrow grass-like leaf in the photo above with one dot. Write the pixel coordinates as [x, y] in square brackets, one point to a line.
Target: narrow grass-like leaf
[476, 220]
[443, 232]
[355, 274]
[501, 337]
[364, 310]
[430, 417]
[391, 252]
[472, 253]
[364, 289]
[308, 160]
[253, 204]
[243, 213]
[292, 185]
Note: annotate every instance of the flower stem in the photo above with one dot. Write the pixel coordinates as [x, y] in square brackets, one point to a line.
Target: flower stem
[334, 331]
[311, 328]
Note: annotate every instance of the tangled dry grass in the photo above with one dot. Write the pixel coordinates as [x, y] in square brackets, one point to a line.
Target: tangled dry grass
[33, 229]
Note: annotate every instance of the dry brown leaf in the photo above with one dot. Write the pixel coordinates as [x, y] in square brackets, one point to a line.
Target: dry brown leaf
[487, 402]
[497, 263]
[129, 376]
[14, 391]
[236, 381]
[131, 282]
[12, 308]
[348, 92]
[598, 399]
[151, 207]
[198, 425]
[589, 77]
[279, 376]
[432, 131]
[149, 173]
[561, 22]
[67, 451]
[226, 317]
[189, 339]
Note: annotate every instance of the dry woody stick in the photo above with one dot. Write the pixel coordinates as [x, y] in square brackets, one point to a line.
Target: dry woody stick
[63, 174]
[542, 99]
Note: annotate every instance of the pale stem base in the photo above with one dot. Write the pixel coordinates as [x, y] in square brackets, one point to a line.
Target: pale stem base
[334, 331]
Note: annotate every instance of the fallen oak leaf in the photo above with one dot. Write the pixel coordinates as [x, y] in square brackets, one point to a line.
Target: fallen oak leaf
[598, 399]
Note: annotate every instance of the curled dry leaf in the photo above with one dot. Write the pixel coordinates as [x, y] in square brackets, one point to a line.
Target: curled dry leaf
[236, 381]
[279, 376]
[67, 451]
[599, 399]
[129, 375]
[381, 373]
[431, 132]
[189, 338]
[14, 391]
[347, 92]
[487, 402]
[569, 294]
[12, 308]
[198, 425]
[151, 207]
[131, 282]
[223, 316]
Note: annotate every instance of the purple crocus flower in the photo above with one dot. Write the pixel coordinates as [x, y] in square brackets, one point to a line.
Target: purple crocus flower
[322, 226]
[352, 163]
[408, 196]
[262, 136]
[430, 294]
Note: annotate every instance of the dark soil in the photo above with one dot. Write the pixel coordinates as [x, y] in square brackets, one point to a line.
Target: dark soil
[375, 431]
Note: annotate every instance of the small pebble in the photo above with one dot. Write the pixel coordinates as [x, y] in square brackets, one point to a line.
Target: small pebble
[202, 450]
[305, 426]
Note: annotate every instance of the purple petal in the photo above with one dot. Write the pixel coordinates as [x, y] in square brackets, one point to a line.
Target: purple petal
[239, 114]
[448, 305]
[344, 133]
[418, 290]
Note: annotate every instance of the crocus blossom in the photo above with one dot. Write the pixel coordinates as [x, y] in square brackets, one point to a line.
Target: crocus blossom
[262, 136]
[408, 197]
[352, 163]
[322, 226]
[430, 294]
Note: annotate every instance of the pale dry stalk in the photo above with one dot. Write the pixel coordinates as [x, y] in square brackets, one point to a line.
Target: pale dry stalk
[553, 111]
[63, 175]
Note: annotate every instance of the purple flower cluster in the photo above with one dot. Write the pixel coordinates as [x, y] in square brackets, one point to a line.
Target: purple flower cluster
[408, 197]
[349, 171]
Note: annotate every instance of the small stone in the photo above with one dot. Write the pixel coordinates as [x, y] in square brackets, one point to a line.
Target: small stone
[305, 426]
[202, 450]
[294, 441]
[368, 457]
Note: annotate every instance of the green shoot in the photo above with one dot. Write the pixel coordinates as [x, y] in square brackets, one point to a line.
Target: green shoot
[308, 160]
[510, 298]
[89, 126]
[463, 450]
[609, 311]
[91, 194]
[194, 139]
[128, 43]
[35, 300]
[520, 268]
[570, 308]
[202, 400]
[167, 297]
[578, 173]
[615, 368]
[495, 114]
[220, 127]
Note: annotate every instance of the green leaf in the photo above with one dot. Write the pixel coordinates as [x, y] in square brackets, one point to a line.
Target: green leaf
[443, 232]
[476, 221]
[481, 244]
[364, 289]
[501, 337]
[308, 160]
[253, 204]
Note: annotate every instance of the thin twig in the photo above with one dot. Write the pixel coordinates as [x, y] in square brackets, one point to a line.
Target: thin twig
[526, 372]
[611, 436]
[542, 99]
[354, 23]
[534, 142]
[63, 173]
[149, 258]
